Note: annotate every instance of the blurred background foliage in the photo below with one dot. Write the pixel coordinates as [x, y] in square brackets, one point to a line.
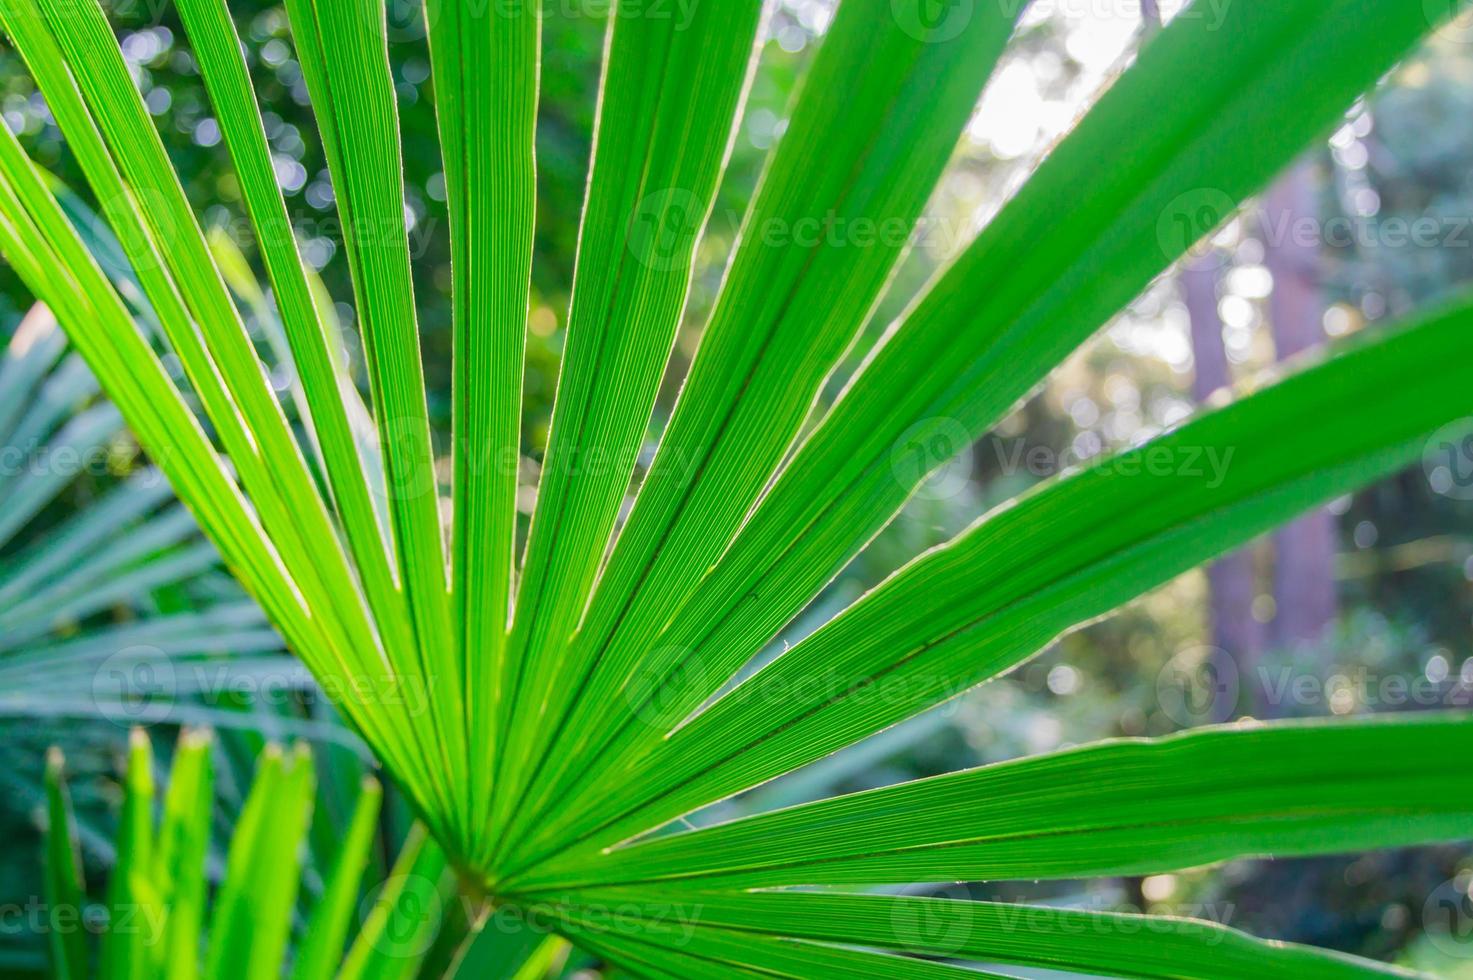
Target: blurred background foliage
[1393, 565]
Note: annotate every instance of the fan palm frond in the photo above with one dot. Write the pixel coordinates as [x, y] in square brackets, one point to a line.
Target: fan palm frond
[574, 699]
[159, 913]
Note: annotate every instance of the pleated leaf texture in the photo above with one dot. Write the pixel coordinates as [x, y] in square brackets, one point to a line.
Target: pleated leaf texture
[120, 550]
[160, 909]
[547, 708]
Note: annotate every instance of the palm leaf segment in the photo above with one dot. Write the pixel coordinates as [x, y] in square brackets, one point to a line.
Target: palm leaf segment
[562, 692]
[90, 617]
[90, 624]
[159, 915]
[60, 656]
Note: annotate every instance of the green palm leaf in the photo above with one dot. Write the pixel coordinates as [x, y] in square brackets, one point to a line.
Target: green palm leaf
[63, 875]
[486, 74]
[327, 930]
[1036, 568]
[345, 63]
[565, 698]
[1114, 808]
[1147, 947]
[157, 894]
[670, 95]
[1030, 289]
[781, 323]
[88, 625]
[713, 953]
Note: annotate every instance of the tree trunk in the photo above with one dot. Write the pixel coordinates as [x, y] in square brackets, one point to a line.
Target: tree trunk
[1304, 572]
[1230, 579]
